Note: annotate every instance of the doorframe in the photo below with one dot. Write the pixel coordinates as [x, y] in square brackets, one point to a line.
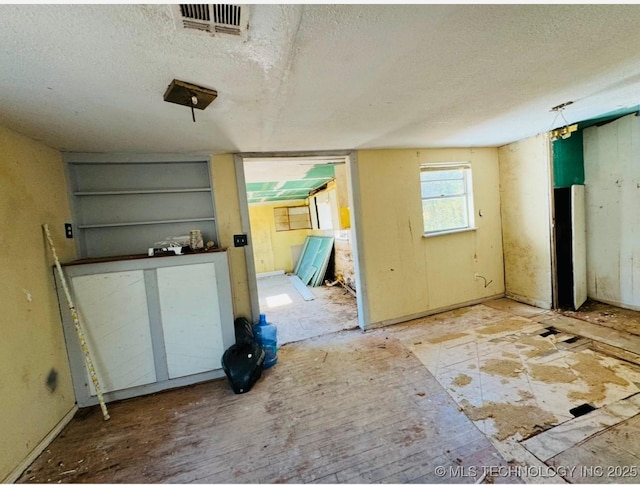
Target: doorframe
[355, 216]
[250, 264]
[552, 226]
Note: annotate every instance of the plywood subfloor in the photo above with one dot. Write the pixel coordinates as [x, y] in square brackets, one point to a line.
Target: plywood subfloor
[609, 316]
[609, 457]
[520, 380]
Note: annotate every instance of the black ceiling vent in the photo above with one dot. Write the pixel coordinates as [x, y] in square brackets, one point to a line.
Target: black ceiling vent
[213, 19]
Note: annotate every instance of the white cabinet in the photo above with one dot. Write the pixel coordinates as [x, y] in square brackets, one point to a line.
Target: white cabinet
[189, 294]
[120, 341]
[150, 323]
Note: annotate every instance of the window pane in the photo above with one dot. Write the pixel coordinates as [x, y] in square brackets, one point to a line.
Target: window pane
[445, 174]
[292, 218]
[442, 188]
[302, 210]
[444, 214]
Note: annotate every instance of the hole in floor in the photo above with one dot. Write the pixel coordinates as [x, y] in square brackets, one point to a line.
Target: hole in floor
[581, 410]
[571, 340]
[550, 331]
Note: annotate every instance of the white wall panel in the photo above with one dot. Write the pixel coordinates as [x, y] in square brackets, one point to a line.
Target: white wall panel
[612, 184]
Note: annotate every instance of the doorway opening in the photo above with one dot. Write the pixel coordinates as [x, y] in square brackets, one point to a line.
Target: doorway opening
[302, 243]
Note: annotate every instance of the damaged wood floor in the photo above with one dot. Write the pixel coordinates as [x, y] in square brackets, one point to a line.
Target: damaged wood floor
[492, 393]
[337, 408]
[547, 389]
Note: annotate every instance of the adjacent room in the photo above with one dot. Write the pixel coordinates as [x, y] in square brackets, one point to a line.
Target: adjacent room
[436, 206]
[296, 203]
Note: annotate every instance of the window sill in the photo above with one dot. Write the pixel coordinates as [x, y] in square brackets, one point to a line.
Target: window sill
[452, 231]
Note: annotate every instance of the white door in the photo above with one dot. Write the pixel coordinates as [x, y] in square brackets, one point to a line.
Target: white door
[578, 245]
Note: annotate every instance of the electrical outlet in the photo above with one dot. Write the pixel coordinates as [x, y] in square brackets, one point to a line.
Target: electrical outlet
[68, 231]
[240, 240]
[475, 276]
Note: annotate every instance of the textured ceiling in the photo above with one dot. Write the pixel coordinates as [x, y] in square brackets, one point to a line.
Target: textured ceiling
[314, 77]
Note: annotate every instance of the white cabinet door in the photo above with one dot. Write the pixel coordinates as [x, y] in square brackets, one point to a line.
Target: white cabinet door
[113, 310]
[191, 318]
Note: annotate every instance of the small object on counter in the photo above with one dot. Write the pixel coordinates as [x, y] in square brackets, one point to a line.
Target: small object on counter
[195, 239]
[165, 251]
[211, 245]
[171, 245]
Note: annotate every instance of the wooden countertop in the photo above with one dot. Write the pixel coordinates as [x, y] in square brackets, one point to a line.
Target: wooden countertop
[130, 257]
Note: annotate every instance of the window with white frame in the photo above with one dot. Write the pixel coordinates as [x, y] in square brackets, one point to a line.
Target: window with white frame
[447, 197]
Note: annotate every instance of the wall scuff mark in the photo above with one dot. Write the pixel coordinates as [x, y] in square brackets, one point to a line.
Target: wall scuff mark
[52, 380]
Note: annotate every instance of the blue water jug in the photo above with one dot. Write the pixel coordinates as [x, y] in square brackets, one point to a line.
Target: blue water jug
[266, 335]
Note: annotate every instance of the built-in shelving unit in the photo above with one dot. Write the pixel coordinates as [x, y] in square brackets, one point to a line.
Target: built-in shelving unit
[123, 204]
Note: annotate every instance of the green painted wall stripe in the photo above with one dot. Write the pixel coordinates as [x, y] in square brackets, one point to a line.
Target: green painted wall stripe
[568, 155]
[568, 161]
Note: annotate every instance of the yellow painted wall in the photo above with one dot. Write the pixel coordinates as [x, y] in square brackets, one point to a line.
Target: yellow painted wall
[33, 192]
[271, 248]
[525, 186]
[406, 274]
[262, 229]
[225, 193]
[342, 187]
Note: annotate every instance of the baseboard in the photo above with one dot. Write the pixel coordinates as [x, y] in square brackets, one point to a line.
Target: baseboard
[546, 305]
[434, 311]
[615, 303]
[35, 453]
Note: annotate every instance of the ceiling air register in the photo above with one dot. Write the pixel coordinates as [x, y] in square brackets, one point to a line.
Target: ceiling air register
[212, 19]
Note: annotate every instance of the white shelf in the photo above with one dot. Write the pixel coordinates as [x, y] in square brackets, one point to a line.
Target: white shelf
[149, 191]
[122, 203]
[144, 223]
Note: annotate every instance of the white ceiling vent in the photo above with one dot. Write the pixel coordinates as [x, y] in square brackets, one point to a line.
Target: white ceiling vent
[213, 19]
